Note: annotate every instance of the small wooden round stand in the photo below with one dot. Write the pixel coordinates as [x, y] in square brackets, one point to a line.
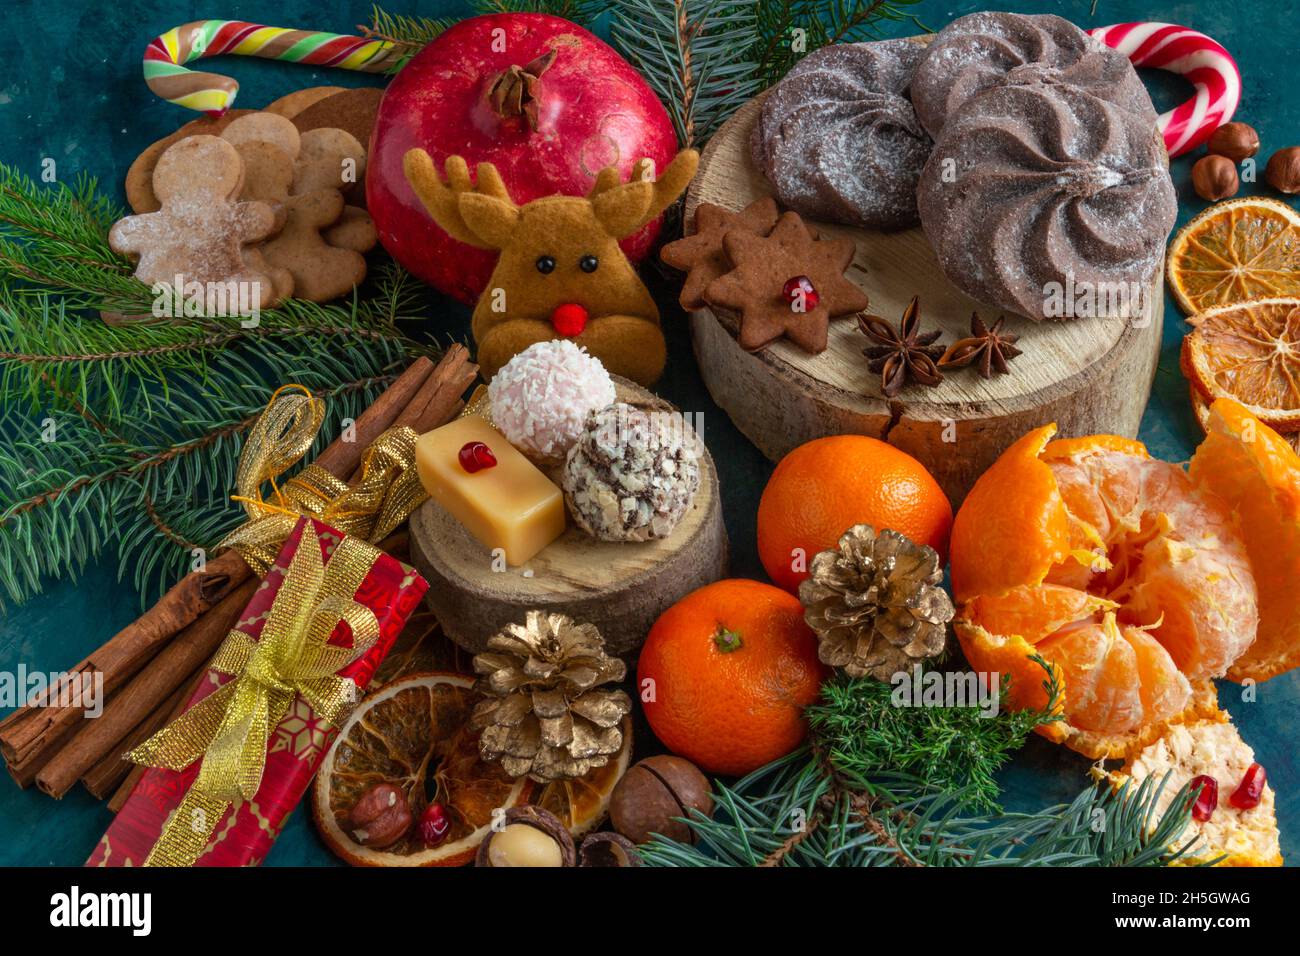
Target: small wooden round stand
[620, 587]
[1089, 375]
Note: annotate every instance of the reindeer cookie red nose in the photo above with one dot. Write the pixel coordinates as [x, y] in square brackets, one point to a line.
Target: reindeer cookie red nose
[569, 319]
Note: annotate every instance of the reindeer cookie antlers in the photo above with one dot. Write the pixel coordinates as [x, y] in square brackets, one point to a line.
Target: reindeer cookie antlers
[561, 273]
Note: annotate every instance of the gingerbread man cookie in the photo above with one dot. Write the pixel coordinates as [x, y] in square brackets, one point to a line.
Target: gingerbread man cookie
[301, 174]
[787, 284]
[202, 232]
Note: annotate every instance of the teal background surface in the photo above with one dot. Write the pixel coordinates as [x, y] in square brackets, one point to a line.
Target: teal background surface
[70, 89]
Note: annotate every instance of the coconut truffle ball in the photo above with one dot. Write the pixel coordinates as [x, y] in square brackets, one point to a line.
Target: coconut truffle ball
[541, 398]
[632, 474]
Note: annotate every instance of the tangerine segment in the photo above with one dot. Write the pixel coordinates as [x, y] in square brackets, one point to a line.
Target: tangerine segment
[1034, 612]
[1233, 252]
[1013, 527]
[1251, 353]
[1118, 679]
[1010, 654]
[1166, 552]
[1258, 473]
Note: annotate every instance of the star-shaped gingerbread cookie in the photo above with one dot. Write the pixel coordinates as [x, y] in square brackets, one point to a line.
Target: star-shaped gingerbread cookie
[701, 256]
[786, 284]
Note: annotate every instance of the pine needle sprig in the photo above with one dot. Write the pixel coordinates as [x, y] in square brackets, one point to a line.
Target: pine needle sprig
[953, 746]
[583, 12]
[888, 785]
[791, 813]
[417, 32]
[791, 29]
[694, 54]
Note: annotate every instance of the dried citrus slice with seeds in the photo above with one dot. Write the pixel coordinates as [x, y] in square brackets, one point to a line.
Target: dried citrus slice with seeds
[413, 734]
[581, 804]
[1233, 252]
[1251, 354]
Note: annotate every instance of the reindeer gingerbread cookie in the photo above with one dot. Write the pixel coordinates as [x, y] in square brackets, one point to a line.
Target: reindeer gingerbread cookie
[561, 273]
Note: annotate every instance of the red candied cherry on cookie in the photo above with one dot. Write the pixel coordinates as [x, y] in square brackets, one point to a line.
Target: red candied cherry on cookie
[569, 319]
[801, 294]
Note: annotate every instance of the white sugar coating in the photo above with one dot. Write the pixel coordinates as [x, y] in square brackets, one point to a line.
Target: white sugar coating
[541, 397]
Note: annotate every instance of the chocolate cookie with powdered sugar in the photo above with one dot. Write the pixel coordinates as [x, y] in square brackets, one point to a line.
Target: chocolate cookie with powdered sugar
[839, 140]
[984, 50]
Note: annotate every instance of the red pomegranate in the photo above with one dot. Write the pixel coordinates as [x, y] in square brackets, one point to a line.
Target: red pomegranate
[538, 96]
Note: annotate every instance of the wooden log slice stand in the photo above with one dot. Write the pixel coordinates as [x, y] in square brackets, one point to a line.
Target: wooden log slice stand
[621, 587]
[1089, 375]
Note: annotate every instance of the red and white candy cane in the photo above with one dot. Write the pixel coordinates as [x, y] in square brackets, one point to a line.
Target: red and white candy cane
[1202, 61]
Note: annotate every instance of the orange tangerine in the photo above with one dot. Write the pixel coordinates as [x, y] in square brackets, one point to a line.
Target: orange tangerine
[1134, 579]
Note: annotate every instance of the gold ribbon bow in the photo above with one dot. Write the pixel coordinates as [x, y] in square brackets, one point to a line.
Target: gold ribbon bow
[388, 491]
[230, 729]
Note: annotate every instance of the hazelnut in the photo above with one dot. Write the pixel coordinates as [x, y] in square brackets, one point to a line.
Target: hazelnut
[528, 836]
[381, 817]
[1237, 141]
[1283, 171]
[1214, 177]
[608, 849]
[653, 792]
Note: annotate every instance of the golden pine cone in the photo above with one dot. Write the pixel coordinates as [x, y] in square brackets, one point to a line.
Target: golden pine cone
[543, 711]
[877, 603]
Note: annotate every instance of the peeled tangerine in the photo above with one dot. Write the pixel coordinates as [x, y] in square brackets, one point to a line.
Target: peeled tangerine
[1137, 581]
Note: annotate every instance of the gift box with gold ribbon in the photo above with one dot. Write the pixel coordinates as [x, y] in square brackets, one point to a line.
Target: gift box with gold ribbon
[225, 775]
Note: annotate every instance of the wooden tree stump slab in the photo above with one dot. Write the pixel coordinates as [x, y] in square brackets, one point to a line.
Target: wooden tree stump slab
[1089, 375]
[621, 587]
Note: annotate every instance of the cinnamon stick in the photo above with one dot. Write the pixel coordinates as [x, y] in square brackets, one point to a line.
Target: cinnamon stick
[103, 778]
[172, 711]
[36, 727]
[145, 693]
[341, 457]
[435, 402]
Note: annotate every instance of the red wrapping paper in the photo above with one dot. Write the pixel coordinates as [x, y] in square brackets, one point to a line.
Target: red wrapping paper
[248, 830]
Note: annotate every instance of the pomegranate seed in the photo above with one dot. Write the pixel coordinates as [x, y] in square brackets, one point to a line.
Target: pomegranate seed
[1203, 806]
[434, 824]
[475, 456]
[1251, 788]
[801, 294]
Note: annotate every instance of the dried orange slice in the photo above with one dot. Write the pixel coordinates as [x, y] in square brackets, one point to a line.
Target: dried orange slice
[582, 803]
[1235, 836]
[413, 733]
[1250, 353]
[1233, 252]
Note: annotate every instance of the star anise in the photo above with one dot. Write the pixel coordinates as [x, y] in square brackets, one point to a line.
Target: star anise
[904, 354]
[990, 347]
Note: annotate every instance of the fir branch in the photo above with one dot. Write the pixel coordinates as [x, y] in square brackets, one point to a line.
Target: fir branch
[954, 746]
[695, 54]
[791, 29]
[792, 813]
[416, 32]
[887, 785]
[583, 12]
